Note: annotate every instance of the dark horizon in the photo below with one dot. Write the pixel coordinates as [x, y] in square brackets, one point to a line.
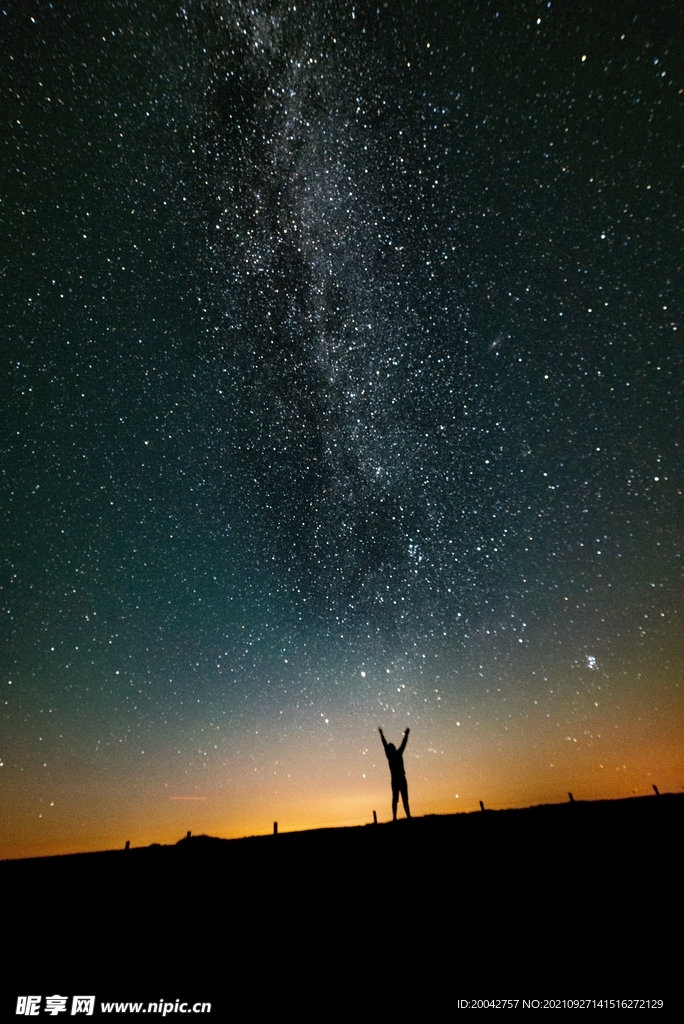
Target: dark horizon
[569, 903]
[609, 805]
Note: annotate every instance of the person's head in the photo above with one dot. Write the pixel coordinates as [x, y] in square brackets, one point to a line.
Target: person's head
[391, 748]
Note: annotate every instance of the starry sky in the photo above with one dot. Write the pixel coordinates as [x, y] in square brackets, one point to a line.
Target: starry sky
[341, 388]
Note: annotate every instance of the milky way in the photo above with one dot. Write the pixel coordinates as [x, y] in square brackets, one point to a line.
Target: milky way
[341, 379]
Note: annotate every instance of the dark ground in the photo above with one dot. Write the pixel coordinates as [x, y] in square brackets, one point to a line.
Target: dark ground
[566, 901]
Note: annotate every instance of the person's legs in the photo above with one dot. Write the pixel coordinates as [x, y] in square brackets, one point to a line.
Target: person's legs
[404, 798]
[395, 801]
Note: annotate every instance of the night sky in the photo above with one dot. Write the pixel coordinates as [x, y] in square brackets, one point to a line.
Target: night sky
[341, 388]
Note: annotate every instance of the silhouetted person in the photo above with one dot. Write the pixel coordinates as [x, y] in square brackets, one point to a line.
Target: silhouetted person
[396, 766]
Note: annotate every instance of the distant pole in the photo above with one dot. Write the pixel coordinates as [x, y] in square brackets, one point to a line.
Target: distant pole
[189, 833]
[128, 845]
[275, 828]
[572, 799]
[656, 791]
[482, 806]
[375, 817]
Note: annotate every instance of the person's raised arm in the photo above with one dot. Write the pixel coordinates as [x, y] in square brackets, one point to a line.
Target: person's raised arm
[384, 741]
[404, 741]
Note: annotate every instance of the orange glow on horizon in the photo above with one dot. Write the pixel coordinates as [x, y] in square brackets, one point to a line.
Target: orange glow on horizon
[309, 780]
[331, 807]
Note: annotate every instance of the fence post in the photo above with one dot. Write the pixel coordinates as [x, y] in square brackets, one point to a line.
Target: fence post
[275, 828]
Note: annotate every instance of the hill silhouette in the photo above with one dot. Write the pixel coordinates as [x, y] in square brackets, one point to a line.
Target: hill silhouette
[552, 900]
